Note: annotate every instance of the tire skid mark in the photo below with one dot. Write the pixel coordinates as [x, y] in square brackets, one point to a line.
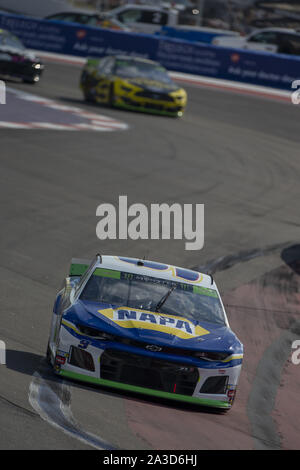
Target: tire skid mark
[274, 297]
[264, 313]
[261, 401]
[51, 399]
[229, 261]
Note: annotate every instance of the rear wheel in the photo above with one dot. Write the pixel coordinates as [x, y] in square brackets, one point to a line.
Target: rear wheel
[87, 96]
[84, 83]
[111, 98]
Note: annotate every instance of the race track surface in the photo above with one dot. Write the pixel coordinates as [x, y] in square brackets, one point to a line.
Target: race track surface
[239, 156]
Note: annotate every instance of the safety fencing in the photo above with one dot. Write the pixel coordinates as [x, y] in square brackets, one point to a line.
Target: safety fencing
[257, 68]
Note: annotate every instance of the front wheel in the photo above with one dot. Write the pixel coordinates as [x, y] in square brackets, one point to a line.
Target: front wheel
[48, 354]
[32, 80]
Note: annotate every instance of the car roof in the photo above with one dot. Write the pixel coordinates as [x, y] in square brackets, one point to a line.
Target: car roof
[156, 270]
[136, 7]
[276, 30]
[77, 13]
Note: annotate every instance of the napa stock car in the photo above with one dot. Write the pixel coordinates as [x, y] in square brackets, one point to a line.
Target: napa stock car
[145, 327]
[132, 83]
[16, 61]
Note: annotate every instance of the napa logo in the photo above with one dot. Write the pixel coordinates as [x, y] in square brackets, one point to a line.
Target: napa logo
[143, 319]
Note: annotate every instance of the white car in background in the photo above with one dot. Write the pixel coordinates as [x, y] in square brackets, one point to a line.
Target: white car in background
[281, 40]
[144, 18]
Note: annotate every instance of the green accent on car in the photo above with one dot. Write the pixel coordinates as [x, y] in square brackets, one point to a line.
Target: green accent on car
[92, 61]
[145, 391]
[78, 269]
[205, 291]
[148, 110]
[107, 273]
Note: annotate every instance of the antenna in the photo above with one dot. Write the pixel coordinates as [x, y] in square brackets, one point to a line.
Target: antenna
[99, 257]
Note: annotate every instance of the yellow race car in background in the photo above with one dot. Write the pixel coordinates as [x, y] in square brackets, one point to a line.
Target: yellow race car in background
[132, 83]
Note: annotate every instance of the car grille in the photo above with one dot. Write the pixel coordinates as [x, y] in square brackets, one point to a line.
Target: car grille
[144, 371]
[154, 95]
[163, 349]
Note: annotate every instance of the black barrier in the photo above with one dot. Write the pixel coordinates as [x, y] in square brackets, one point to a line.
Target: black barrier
[257, 68]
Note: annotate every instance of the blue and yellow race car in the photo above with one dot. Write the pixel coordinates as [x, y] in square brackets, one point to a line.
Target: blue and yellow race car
[145, 327]
[132, 83]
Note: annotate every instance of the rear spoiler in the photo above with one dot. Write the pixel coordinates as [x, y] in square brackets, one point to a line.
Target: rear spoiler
[79, 266]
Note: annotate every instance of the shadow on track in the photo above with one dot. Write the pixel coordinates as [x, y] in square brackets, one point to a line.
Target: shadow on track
[291, 256]
[99, 106]
[28, 363]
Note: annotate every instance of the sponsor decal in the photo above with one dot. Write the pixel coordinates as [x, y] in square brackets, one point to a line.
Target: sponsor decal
[60, 360]
[143, 319]
[153, 347]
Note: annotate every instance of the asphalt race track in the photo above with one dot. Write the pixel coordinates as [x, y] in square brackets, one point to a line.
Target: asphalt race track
[239, 155]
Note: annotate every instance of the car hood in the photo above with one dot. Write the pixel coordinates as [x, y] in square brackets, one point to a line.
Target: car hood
[152, 85]
[156, 328]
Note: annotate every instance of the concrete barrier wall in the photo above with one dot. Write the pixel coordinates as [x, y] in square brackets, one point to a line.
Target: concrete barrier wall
[259, 68]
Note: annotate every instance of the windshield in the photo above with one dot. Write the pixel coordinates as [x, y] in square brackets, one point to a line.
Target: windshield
[12, 41]
[156, 295]
[135, 69]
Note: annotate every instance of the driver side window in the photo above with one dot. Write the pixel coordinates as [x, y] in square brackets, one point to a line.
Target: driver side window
[102, 64]
[265, 38]
[130, 16]
[12, 41]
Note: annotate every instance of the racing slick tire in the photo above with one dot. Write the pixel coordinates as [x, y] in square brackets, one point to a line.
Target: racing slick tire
[111, 97]
[88, 97]
[48, 354]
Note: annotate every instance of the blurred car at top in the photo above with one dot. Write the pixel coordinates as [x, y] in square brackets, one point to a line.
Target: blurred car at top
[178, 4]
[277, 40]
[89, 19]
[16, 61]
[144, 17]
[149, 19]
[132, 83]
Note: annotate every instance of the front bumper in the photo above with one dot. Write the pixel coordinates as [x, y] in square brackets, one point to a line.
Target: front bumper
[149, 106]
[155, 374]
[219, 403]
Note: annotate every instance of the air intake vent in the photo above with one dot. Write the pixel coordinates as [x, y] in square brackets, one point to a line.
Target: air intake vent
[215, 384]
[82, 359]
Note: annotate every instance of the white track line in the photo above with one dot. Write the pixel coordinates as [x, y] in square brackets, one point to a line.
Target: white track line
[48, 402]
[96, 122]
